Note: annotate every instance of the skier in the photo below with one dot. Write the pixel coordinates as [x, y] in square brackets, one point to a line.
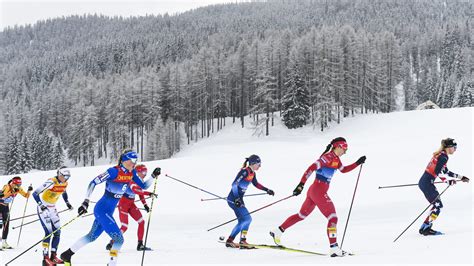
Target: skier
[435, 167]
[48, 214]
[7, 194]
[127, 206]
[117, 180]
[235, 201]
[325, 167]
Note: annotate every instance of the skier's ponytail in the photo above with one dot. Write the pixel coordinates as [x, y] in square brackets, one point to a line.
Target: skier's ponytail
[328, 147]
[245, 163]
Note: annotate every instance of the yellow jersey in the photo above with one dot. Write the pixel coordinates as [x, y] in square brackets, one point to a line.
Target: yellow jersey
[51, 190]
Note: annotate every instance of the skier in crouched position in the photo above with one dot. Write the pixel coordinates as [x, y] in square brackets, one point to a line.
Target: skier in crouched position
[436, 167]
[46, 196]
[117, 180]
[325, 168]
[235, 201]
[127, 206]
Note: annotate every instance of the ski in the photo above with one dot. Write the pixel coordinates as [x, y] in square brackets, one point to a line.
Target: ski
[259, 246]
[262, 246]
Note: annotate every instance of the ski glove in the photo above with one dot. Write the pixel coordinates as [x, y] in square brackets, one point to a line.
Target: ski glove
[69, 206]
[43, 208]
[238, 202]
[156, 172]
[465, 179]
[30, 188]
[270, 192]
[154, 195]
[361, 160]
[451, 182]
[298, 189]
[83, 208]
[147, 209]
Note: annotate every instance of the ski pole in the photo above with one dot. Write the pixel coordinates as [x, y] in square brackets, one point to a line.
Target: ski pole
[30, 222]
[409, 185]
[32, 246]
[23, 219]
[261, 208]
[352, 202]
[196, 187]
[421, 213]
[149, 219]
[26, 216]
[250, 195]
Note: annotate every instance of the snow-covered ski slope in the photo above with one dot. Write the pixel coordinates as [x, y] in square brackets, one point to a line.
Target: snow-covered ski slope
[398, 146]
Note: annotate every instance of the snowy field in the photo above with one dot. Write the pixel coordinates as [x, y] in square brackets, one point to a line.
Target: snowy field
[398, 146]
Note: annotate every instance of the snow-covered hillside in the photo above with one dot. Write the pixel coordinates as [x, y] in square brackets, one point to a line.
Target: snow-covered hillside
[398, 146]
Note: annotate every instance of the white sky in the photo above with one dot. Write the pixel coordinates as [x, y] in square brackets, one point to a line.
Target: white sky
[21, 12]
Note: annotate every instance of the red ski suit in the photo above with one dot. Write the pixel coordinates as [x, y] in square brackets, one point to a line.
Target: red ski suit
[127, 206]
[325, 168]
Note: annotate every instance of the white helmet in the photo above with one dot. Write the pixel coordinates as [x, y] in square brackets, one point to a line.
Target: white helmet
[64, 172]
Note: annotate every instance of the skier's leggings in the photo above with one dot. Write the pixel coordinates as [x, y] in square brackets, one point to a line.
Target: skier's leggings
[104, 221]
[5, 220]
[317, 196]
[50, 221]
[126, 207]
[426, 184]
[244, 219]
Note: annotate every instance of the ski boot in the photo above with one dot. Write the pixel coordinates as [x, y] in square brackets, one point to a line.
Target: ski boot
[335, 251]
[244, 245]
[54, 258]
[5, 244]
[276, 235]
[47, 261]
[66, 257]
[426, 230]
[141, 247]
[230, 243]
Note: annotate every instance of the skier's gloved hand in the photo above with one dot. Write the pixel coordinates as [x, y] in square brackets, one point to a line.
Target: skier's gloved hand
[270, 192]
[69, 206]
[30, 188]
[147, 209]
[238, 202]
[43, 208]
[156, 172]
[451, 182]
[83, 208]
[465, 179]
[361, 160]
[154, 195]
[298, 189]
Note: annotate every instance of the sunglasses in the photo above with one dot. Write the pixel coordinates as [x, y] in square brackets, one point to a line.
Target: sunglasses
[134, 160]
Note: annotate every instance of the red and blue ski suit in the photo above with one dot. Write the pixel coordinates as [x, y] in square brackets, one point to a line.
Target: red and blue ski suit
[435, 167]
[127, 206]
[325, 168]
[239, 187]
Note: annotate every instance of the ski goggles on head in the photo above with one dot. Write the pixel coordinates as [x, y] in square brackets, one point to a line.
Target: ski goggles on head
[131, 155]
[65, 173]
